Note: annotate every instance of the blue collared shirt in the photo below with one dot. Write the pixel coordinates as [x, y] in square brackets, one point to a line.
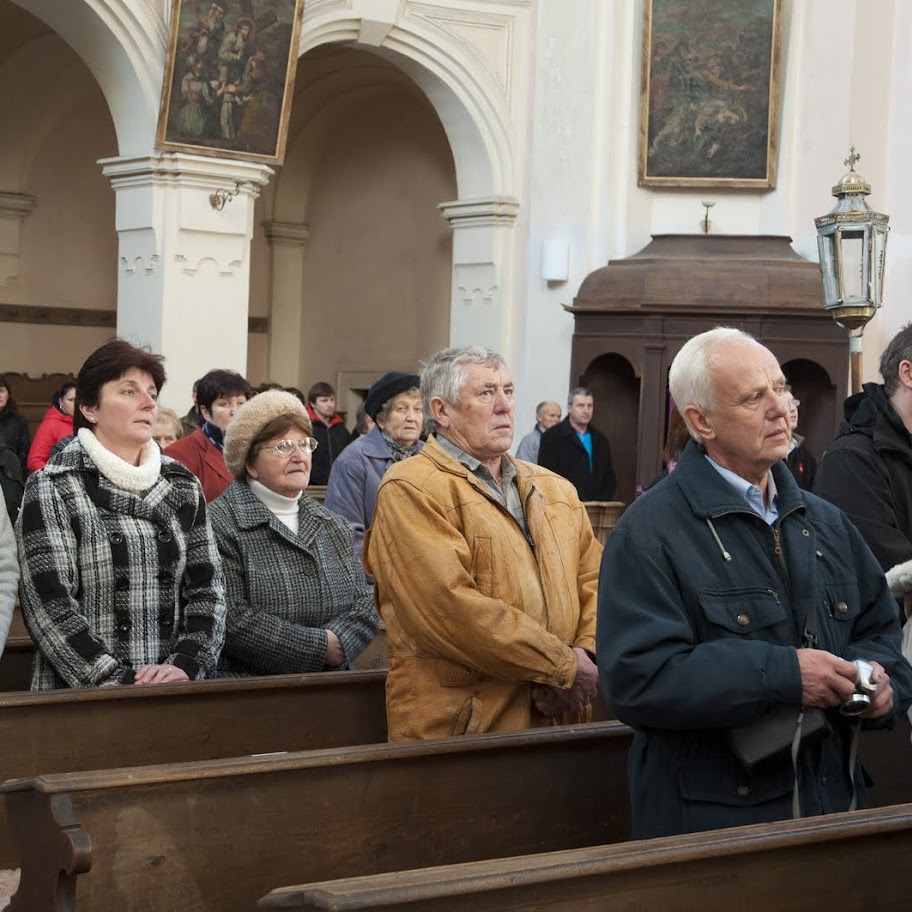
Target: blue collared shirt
[752, 493]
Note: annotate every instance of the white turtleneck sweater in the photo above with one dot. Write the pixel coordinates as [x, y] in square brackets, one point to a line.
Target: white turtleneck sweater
[285, 509]
[135, 479]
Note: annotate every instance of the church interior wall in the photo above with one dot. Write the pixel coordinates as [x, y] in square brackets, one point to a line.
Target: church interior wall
[372, 154]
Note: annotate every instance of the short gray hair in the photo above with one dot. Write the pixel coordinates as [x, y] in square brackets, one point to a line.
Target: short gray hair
[690, 380]
[444, 374]
[578, 391]
[898, 350]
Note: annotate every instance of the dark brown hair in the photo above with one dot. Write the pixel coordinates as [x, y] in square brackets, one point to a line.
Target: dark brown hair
[218, 383]
[320, 388]
[10, 408]
[111, 362]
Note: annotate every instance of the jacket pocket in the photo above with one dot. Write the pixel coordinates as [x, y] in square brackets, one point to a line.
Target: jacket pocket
[468, 719]
[715, 798]
[483, 564]
[453, 674]
[742, 611]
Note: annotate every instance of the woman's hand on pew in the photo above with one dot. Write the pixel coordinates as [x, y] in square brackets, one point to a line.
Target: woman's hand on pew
[160, 674]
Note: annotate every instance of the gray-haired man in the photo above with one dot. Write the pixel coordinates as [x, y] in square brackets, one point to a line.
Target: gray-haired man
[485, 570]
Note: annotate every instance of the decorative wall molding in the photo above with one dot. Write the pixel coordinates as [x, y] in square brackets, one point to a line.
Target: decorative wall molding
[497, 210]
[488, 36]
[58, 316]
[16, 206]
[85, 316]
[288, 234]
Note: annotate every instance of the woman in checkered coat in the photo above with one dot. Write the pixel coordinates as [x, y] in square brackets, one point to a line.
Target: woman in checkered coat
[297, 600]
[121, 579]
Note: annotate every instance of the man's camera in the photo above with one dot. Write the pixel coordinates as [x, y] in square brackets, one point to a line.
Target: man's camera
[860, 700]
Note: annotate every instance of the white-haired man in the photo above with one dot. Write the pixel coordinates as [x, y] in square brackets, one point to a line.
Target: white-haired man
[731, 600]
[486, 570]
[547, 414]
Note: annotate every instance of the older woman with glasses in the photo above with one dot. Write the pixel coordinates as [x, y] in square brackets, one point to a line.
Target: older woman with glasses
[297, 600]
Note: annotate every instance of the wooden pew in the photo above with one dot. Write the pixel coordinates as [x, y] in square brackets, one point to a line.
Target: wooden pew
[16, 663]
[97, 728]
[215, 836]
[845, 862]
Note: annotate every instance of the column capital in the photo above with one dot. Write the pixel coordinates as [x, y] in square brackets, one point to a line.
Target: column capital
[485, 211]
[287, 234]
[193, 172]
[15, 206]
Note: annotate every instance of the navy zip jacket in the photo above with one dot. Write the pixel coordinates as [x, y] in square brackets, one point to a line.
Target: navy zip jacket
[701, 608]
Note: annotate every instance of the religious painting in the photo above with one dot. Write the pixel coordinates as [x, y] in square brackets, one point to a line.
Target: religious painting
[229, 78]
[710, 94]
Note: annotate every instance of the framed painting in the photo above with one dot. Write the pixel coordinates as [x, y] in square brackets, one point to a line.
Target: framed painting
[710, 93]
[229, 78]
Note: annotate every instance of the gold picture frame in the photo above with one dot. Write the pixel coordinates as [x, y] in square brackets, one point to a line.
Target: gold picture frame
[709, 114]
[229, 78]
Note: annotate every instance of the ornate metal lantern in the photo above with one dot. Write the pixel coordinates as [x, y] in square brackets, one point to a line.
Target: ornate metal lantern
[852, 241]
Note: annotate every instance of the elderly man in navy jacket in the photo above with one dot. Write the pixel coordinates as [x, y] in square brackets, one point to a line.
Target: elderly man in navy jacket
[729, 597]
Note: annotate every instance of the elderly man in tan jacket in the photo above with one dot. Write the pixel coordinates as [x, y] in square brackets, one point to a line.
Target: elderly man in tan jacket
[486, 570]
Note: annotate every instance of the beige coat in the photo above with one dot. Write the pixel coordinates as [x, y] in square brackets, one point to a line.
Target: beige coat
[475, 614]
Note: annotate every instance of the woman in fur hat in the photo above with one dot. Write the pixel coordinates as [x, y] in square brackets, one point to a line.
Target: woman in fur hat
[297, 601]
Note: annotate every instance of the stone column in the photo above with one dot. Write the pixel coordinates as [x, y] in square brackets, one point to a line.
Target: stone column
[286, 245]
[14, 207]
[184, 225]
[482, 244]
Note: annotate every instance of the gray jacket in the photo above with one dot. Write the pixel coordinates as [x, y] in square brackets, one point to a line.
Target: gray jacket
[528, 446]
[9, 574]
[112, 581]
[353, 482]
[285, 591]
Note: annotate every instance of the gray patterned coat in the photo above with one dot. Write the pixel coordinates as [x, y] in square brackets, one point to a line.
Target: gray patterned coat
[111, 581]
[284, 590]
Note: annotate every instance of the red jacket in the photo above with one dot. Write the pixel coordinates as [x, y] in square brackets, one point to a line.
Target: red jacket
[54, 426]
[199, 454]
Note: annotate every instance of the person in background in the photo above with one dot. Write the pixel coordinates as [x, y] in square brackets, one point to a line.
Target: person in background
[297, 600]
[579, 451]
[168, 427]
[14, 431]
[547, 414]
[363, 422]
[219, 395]
[394, 403]
[867, 470]
[56, 424]
[675, 441]
[328, 428]
[800, 460]
[485, 570]
[726, 592]
[191, 421]
[9, 575]
[121, 578]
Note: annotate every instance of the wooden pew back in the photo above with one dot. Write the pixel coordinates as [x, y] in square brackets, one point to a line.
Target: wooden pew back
[846, 862]
[215, 836]
[98, 728]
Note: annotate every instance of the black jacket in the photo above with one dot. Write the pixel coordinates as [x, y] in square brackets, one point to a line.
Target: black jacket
[867, 472]
[562, 452]
[14, 433]
[802, 464]
[331, 440]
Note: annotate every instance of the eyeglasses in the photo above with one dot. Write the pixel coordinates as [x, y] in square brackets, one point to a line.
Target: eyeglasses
[286, 447]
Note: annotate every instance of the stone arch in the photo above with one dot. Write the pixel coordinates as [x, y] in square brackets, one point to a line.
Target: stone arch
[123, 45]
[467, 97]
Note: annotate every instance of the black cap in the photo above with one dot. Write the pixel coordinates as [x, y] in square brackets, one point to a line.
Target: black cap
[389, 385]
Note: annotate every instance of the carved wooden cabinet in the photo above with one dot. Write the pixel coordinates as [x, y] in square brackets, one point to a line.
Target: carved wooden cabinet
[633, 315]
